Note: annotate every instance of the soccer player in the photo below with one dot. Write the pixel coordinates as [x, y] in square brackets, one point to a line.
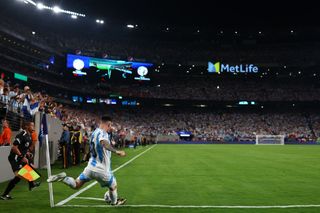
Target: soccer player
[99, 165]
[20, 155]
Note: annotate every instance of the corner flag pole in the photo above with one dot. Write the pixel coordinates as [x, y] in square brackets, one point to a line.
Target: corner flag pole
[44, 131]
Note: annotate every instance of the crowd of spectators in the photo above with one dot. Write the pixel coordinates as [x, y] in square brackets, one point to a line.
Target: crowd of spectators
[228, 90]
[147, 124]
[20, 56]
[162, 50]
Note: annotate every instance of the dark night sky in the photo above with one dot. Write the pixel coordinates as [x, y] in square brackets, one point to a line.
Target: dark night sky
[200, 13]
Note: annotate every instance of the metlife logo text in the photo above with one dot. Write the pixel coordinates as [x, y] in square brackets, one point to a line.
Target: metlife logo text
[240, 68]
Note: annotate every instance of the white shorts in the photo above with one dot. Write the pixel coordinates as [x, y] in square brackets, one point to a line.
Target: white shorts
[104, 179]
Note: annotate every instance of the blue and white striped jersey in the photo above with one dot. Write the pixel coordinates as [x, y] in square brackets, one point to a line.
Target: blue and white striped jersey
[100, 160]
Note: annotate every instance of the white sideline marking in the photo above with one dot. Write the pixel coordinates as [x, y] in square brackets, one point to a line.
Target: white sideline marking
[89, 198]
[185, 206]
[95, 182]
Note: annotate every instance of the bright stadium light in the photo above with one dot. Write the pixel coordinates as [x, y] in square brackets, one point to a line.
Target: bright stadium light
[40, 6]
[74, 16]
[131, 26]
[28, 1]
[56, 9]
[100, 21]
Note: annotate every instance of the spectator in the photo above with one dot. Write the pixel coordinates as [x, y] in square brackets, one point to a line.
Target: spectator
[5, 137]
[65, 146]
[76, 140]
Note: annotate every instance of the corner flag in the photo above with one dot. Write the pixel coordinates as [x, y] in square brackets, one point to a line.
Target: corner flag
[28, 173]
[43, 133]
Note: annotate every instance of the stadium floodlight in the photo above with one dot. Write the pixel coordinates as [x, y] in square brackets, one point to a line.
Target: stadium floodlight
[131, 26]
[100, 21]
[56, 9]
[28, 1]
[33, 32]
[74, 16]
[40, 6]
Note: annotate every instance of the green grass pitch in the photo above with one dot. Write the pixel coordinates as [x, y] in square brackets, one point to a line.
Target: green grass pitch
[198, 175]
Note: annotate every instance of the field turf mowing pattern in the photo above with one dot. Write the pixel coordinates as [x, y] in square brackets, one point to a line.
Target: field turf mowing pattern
[215, 175]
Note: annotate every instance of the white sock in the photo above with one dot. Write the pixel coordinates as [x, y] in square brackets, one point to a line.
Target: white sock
[114, 196]
[70, 182]
[107, 196]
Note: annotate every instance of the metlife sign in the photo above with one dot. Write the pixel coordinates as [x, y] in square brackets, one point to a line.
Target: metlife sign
[227, 68]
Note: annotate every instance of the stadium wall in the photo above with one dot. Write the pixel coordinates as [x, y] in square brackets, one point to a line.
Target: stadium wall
[55, 131]
[5, 168]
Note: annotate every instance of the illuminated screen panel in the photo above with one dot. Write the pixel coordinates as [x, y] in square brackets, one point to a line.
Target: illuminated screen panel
[20, 77]
[80, 66]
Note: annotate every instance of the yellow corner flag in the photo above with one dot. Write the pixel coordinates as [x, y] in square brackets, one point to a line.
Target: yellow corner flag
[28, 173]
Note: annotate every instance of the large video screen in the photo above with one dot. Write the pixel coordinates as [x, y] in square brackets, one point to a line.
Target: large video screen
[84, 66]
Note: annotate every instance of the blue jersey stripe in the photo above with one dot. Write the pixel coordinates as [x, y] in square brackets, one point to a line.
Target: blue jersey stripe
[99, 148]
[93, 162]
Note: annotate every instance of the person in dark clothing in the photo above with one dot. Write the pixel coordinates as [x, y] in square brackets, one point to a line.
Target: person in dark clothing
[65, 146]
[20, 155]
[76, 139]
[86, 148]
